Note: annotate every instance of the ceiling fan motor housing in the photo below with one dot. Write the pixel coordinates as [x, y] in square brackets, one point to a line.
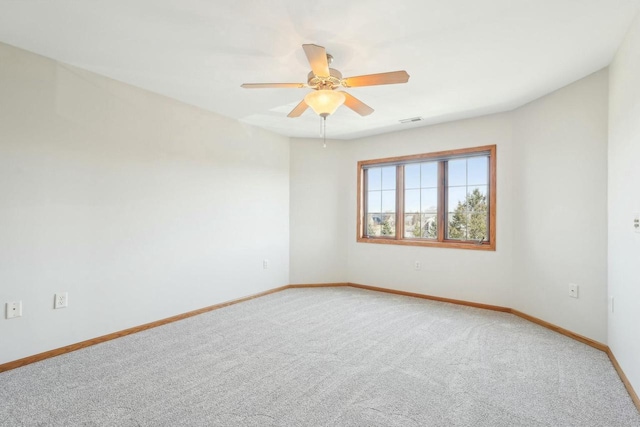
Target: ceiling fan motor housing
[330, 82]
[324, 93]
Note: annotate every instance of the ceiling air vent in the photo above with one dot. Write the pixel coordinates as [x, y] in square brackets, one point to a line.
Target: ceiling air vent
[411, 120]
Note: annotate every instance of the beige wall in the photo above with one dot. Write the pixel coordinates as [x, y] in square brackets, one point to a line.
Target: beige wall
[479, 276]
[551, 197]
[139, 206]
[624, 204]
[319, 187]
[560, 236]
[142, 207]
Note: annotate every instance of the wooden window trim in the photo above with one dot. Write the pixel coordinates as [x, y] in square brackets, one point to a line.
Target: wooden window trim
[441, 241]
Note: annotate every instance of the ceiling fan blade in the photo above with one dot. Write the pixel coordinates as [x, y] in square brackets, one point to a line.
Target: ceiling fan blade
[317, 56]
[300, 108]
[272, 85]
[356, 105]
[377, 79]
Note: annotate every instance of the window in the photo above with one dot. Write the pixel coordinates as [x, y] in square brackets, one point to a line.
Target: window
[445, 199]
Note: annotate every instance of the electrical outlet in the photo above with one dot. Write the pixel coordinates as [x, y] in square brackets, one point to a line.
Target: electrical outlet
[61, 300]
[573, 290]
[265, 264]
[14, 309]
[636, 222]
[417, 266]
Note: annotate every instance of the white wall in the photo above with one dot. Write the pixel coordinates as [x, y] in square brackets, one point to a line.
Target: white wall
[137, 205]
[142, 207]
[319, 187]
[552, 163]
[560, 235]
[481, 276]
[330, 177]
[624, 201]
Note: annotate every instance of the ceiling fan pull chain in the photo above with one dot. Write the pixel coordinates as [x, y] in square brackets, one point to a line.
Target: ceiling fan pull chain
[324, 132]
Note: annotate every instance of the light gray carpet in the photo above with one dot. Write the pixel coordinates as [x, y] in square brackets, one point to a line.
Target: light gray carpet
[326, 357]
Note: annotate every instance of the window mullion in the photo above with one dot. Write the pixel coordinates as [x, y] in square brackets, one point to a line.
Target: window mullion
[400, 202]
[442, 200]
[365, 203]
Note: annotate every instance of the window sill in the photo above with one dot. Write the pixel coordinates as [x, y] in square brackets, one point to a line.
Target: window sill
[485, 246]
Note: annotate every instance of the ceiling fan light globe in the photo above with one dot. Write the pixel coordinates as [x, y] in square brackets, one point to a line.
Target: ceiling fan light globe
[324, 102]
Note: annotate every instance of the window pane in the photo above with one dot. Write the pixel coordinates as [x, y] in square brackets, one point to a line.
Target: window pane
[389, 178]
[429, 226]
[374, 201]
[457, 224]
[374, 178]
[429, 172]
[478, 170]
[429, 200]
[389, 201]
[478, 213]
[423, 226]
[467, 204]
[388, 226]
[412, 201]
[477, 197]
[412, 227]
[457, 197]
[478, 225]
[412, 175]
[374, 224]
[457, 171]
[457, 215]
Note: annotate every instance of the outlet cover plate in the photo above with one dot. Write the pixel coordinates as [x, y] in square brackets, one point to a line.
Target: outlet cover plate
[61, 300]
[14, 309]
[573, 290]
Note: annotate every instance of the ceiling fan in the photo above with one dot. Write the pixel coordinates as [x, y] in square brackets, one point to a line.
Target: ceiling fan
[325, 81]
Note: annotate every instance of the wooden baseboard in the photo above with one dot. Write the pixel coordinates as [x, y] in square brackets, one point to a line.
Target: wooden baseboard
[558, 329]
[540, 322]
[69, 348]
[316, 285]
[588, 341]
[93, 341]
[625, 380]
[432, 298]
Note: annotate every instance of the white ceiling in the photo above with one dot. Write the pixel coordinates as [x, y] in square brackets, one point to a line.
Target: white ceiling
[465, 57]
